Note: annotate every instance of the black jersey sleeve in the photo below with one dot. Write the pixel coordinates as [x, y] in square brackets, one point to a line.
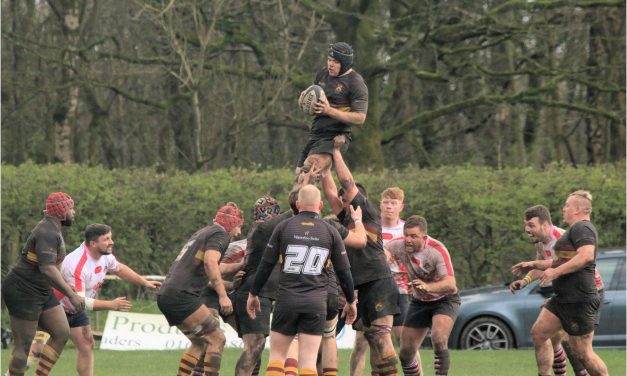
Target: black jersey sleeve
[346, 283]
[582, 235]
[358, 94]
[263, 273]
[47, 246]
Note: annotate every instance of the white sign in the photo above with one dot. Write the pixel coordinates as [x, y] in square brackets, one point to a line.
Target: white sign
[142, 331]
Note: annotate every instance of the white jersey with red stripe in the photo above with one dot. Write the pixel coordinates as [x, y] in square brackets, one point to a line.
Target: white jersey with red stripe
[85, 273]
[430, 264]
[546, 251]
[398, 270]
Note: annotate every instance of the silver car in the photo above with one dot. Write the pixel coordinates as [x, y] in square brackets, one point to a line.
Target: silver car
[492, 318]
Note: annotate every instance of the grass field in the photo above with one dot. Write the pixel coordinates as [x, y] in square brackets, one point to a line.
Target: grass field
[463, 363]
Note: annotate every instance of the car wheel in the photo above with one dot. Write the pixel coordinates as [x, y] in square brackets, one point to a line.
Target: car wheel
[486, 333]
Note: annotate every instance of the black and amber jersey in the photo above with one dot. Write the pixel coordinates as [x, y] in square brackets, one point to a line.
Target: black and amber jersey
[578, 286]
[257, 242]
[44, 246]
[187, 272]
[303, 245]
[368, 263]
[345, 93]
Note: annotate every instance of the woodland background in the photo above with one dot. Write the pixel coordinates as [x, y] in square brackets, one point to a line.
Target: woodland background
[199, 85]
[153, 113]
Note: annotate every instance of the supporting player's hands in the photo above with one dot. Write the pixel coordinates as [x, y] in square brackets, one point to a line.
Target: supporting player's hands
[77, 301]
[253, 306]
[226, 305]
[356, 214]
[523, 267]
[419, 285]
[350, 312]
[322, 106]
[121, 304]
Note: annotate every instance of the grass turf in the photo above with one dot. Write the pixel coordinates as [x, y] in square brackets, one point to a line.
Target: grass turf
[463, 363]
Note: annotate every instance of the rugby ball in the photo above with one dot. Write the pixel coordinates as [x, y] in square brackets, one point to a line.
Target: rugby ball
[310, 96]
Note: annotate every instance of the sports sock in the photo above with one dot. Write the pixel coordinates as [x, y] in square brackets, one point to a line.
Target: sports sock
[559, 362]
[187, 364]
[275, 368]
[16, 370]
[329, 371]
[199, 369]
[308, 372]
[442, 362]
[291, 367]
[387, 365]
[412, 369]
[257, 368]
[49, 357]
[212, 363]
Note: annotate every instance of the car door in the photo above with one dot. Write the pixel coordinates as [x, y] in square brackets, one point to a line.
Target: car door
[611, 329]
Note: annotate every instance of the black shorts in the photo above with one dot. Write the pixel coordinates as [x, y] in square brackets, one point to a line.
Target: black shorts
[176, 305]
[76, 320]
[22, 303]
[246, 325]
[420, 314]
[291, 323]
[377, 299]
[211, 299]
[576, 318]
[318, 144]
[403, 306]
[332, 306]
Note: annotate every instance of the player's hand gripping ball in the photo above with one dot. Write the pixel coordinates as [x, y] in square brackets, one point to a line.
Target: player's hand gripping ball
[309, 97]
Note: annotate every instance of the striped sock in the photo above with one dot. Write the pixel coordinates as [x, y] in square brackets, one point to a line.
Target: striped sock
[16, 369]
[291, 367]
[187, 364]
[442, 362]
[329, 371]
[48, 358]
[212, 363]
[387, 366]
[308, 372]
[412, 369]
[275, 368]
[559, 362]
[257, 368]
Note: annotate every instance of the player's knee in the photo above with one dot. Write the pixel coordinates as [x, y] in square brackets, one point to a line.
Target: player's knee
[377, 335]
[406, 355]
[329, 328]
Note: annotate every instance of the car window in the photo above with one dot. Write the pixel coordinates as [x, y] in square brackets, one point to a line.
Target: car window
[607, 267]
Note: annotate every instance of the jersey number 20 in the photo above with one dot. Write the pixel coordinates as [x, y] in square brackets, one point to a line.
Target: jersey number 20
[303, 259]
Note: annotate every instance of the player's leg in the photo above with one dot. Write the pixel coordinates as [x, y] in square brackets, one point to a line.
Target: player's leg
[23, 332]
[36, 347]
[253, 333]
[545, 327]
[215, 346]
[202, 328]
[358, 355]
[54, 322]
[582, 348]
[291, 359]
[329, 348]
[578, 367]
[308, 345]
[559, 354]
[383, 357]
[409, 354]
[279, 346]
[440, 331]
[83, 339]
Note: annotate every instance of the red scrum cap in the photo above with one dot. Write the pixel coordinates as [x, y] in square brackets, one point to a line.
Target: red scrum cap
[229, 217]
[58, 204]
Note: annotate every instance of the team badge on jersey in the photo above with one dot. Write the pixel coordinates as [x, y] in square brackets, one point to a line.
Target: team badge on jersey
[340, 88]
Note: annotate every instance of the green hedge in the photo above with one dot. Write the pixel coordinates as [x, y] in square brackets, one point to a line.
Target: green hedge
[476, 212]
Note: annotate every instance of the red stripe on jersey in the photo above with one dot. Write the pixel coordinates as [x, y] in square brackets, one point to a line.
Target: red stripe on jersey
[78, 282]
[556, 233]
[58, 293]
[445, 255]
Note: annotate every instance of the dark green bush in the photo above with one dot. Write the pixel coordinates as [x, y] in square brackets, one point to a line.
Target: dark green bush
[476, 212]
